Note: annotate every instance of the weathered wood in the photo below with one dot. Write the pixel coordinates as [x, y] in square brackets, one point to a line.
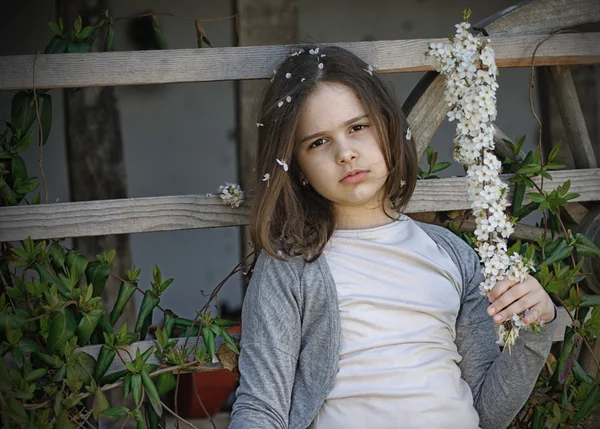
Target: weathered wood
[261, 22]
[590, 227]
[170, 213]
[572, 117]
[128, 352]
[202, 65]
[541, 16]
[426, 107]
[522, 232]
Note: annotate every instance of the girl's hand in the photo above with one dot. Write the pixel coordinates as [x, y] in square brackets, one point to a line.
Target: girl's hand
[508, 297]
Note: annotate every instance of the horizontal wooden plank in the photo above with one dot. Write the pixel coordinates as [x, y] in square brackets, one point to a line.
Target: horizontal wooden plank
[170, 213]
[256, 62]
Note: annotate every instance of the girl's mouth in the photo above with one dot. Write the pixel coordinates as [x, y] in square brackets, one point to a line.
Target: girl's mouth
[355, 177]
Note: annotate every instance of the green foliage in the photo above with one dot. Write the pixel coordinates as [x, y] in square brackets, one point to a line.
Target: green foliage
[564, 395]
[434, 166]
[50, 300]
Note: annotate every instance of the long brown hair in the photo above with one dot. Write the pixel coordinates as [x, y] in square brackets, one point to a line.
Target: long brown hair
[289, 219]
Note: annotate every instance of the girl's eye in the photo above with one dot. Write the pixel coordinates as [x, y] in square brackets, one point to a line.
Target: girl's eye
[316, 143]
[358, 127]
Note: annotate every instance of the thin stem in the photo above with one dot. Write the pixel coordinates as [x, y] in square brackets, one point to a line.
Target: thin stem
[178, 417]
[582, 336]
[202, 404]
[195, 365]
[41, 136]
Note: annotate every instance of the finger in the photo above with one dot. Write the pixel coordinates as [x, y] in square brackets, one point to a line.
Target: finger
[507, 298]
[517, 307]
[533, 315]
[499, 288]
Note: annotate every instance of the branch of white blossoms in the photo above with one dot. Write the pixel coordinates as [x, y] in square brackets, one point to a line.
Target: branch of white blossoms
[468, 64]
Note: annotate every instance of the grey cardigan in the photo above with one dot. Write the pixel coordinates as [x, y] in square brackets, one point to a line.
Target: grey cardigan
[291, 338]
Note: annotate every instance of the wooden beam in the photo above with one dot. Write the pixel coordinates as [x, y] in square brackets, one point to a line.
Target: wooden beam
[261, 22]
[572, 117]
[171, 213]
[217, 64]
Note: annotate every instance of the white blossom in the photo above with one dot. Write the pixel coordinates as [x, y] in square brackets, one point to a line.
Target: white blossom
[288, 75]
[258, 124]
[321, 66]
[283, 164]
[231, 194]
[469, 67]
[288, 99]
[408, 133]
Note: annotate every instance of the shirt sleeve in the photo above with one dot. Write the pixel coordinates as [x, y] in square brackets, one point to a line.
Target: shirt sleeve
[500, 382]
[268, 353]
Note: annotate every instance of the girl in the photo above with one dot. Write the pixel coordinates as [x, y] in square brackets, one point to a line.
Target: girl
[357, 316]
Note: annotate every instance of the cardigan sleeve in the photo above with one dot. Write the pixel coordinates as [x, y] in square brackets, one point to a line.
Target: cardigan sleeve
[500, 382]
[269, 349]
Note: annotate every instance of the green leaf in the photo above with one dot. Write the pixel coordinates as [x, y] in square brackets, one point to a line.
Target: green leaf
[592, 399]
[589, 300]
[555, 166]
[157, 32]
[55, 28]
[17, 356]
[19, 169]
[57, 45]
[76, 263]
[152, 393]
[529, 169]
[126, 291]
[165, 382]
[518, 195]
[16, 411]
[110, 40]
[209, 341]
[57, 255]
[586, 247]
[35, 374]
[23, 112]
[96, 274]
[112, 377]
[105, 359]
[440, 166]
[87, 324]
[554, 151]
[78, 24]
[536, 197]
[23, 143]
[46, 116]
[100, 403]
[136, 388]
[149, 303]
[50, 360]
[78, 47]
[62, 327]
[107, 417]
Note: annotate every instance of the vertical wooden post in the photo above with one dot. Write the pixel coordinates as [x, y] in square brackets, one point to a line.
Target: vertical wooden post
[95, 156]
[260, 22]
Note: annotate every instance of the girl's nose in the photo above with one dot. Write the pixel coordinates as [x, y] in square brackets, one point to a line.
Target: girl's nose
[345, 152]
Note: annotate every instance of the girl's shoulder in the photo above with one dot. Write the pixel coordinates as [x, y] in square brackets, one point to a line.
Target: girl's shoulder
[459, 251]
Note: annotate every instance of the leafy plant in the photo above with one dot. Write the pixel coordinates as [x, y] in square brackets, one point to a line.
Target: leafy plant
[564, 395]
[434, 166]
[51, 311]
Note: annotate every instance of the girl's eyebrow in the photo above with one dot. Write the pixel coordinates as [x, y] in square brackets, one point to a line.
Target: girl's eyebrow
[348, 122]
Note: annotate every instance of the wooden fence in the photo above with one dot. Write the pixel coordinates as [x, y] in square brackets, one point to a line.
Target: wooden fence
[166, 213]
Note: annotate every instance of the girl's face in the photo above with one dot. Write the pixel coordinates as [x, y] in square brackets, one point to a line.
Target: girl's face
[338, 150]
